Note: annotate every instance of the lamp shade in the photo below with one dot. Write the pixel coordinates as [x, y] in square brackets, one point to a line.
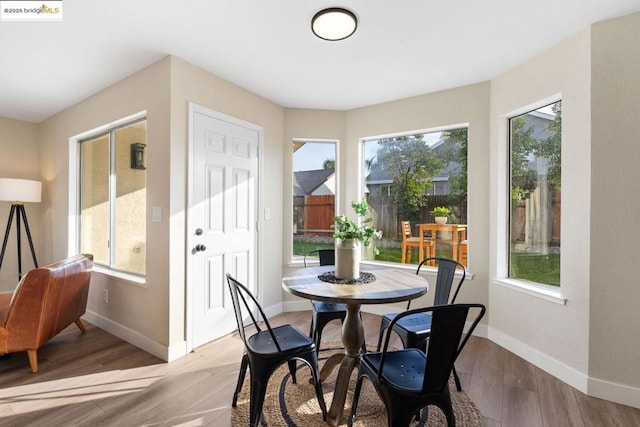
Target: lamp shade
[20, 190]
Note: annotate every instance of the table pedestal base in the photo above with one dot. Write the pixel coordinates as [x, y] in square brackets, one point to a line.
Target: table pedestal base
[353, 340]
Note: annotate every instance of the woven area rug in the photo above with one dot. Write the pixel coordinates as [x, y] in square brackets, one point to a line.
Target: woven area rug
[288, 404]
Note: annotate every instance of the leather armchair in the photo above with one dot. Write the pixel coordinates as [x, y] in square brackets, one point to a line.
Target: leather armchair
[46, 301]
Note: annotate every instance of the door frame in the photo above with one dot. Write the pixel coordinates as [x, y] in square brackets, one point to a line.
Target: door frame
[194, 108]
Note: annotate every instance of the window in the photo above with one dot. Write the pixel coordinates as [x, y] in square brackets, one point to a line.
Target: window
[314, 195]
[113, 198]
[406, 176]
[535, 172]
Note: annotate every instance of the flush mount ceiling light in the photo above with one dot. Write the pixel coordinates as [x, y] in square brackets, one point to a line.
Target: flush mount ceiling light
[334, 24]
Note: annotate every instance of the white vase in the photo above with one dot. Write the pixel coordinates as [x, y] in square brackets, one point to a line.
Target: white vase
[441, 220]
[347, 259]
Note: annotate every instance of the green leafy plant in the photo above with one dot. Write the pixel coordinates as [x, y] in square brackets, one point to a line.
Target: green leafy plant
[440, 211]
[346, 228]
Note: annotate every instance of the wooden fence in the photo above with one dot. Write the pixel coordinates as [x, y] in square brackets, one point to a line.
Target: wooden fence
[313, 215]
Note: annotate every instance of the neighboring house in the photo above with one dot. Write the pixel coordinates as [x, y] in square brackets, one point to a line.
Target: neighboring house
[378, 182]
[321, 182]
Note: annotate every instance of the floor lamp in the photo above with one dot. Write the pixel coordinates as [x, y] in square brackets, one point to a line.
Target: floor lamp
[19, 192]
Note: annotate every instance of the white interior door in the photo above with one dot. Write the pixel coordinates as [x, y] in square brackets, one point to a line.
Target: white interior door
[222, 224]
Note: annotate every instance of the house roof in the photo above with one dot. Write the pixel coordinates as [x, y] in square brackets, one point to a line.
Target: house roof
[306, 182]
[267, 47]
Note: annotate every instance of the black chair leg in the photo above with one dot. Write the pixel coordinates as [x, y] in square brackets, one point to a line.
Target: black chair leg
[292, 370]
[356, 397]
[455, 377]
[258, 392]
[243, 371]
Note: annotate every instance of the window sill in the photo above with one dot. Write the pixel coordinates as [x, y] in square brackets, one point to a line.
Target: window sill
[411, 267]
[128, 278]
[539, 291]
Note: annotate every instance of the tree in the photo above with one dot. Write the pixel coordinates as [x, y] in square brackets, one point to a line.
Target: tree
[523, 177]
[412, 164]
[329, 164]
[458, 180]
[551, 147]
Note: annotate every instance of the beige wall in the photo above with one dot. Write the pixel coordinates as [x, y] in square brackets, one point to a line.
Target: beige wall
[19, 158]
[468, 104]
[553, 335]
[138, 312]
[313, 125]
[191, 84]
[153, 315]
[614, 346]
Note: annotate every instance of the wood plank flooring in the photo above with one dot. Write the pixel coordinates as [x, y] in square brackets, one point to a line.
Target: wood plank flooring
[96, 379]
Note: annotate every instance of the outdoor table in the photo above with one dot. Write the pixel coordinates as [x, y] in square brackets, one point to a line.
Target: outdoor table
[458, 231]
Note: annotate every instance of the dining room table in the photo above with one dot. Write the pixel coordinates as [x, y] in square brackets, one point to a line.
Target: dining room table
[458, 234]
[377, 284]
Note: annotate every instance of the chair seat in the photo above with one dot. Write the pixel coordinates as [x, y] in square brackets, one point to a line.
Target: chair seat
[413, 240]
[403, 369]
[328, 307]
[419, 323]
[289, 337]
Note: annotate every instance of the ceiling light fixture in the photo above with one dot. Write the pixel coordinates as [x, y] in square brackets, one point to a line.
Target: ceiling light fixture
[334, 24]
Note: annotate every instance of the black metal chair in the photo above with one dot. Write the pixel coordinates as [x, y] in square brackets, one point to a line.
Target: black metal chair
[324, 312]
[410, 379]
[267, 349]
[414, 330]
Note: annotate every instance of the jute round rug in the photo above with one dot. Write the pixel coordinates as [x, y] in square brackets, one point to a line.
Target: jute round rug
[288, 404]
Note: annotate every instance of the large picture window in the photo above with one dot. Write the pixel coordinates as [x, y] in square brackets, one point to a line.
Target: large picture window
[314, 195]
[405, 178]
[113, 198]
[535, 194]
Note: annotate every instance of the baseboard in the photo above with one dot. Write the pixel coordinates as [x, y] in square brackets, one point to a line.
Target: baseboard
[135, 338]
[615, 392]
[273, 310]
[562, 371]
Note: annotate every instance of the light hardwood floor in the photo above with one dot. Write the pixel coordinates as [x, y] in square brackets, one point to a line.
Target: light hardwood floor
[96, 379]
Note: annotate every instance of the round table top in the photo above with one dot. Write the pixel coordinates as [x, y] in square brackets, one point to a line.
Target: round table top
[391, 285]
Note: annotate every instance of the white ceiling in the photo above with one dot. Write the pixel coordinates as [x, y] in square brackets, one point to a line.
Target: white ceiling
[400, 49]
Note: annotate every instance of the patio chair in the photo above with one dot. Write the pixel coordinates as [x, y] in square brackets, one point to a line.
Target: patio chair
[410, 379]
[409, 242]
[415, 330]
[266, 350]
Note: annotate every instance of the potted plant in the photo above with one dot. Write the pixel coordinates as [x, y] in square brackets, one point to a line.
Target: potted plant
[440, 213]
[350, 236]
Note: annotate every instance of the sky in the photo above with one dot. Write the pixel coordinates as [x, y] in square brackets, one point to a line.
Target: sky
[312, 155]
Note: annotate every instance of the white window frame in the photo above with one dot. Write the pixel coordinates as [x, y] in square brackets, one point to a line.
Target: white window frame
[74, 216]
[298, 259]
[542, 291]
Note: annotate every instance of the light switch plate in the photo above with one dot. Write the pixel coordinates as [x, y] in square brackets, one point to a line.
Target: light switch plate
[156, 215]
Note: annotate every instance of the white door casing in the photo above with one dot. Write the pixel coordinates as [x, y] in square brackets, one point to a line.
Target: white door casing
[222, 232]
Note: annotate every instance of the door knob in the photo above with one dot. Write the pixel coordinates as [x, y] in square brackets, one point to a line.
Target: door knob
[198, 231]
[201, 248]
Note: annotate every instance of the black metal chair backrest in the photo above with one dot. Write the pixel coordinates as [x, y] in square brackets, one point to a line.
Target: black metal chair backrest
[445, 343]
[325, 256]
[240, 293]
[444, 279]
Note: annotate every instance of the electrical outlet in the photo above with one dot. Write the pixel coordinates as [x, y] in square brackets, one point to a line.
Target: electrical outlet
[105, 296]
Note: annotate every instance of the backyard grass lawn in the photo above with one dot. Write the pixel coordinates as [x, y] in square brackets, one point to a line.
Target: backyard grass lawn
[539, 268]
[386, 254]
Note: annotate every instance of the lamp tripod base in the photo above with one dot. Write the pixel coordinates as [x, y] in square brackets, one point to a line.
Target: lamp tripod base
[21, 214]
